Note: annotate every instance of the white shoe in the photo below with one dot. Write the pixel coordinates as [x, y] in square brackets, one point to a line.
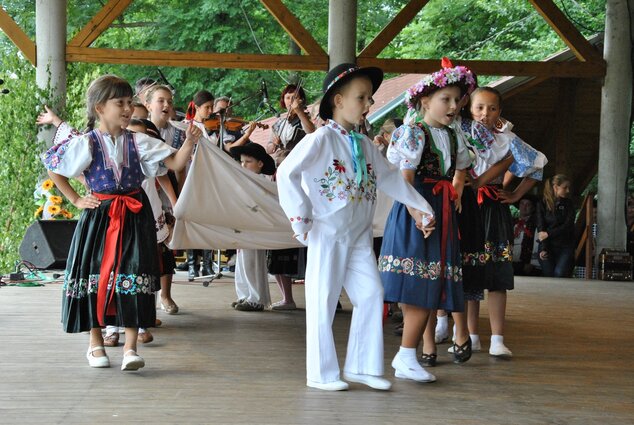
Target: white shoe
[282, 306]
[132, 361]
[376, 382]
[329, 386]
[500, 350]
[414, 372]
[93, 361]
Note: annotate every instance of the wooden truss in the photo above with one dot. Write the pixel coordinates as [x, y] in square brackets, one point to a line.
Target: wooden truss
[589, 63]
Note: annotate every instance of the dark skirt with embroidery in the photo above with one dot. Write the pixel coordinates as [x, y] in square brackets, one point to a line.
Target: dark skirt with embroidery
[139, 271]
[474, 265]
[498, 244]
[410, 265]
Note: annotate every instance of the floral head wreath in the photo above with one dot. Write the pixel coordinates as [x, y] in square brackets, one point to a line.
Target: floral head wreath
[449, 75]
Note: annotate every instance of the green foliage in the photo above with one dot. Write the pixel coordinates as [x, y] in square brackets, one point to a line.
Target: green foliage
[20, 166]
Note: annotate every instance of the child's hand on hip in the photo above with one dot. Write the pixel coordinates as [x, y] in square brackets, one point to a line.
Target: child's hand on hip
[87, 202]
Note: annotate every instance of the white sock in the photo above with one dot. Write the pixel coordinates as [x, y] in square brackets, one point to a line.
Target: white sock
[442, 325]
[474, 338]
[141, 331]
[110, 330]
[497, 339]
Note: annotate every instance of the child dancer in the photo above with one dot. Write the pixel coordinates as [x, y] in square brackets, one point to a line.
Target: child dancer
[252, 283]
[426, 274]
[327, 188]
[113, 269]
[490, 162]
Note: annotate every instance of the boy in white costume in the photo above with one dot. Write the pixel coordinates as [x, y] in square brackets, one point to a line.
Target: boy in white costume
[327, 188]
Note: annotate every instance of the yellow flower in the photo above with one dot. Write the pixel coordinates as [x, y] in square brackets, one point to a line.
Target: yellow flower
[48, 184]
[67, 214]
[54, 209]
[38, 212]
[57, 200]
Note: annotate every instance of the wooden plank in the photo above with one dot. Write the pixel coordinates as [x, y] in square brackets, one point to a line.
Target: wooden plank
[99, 23]
[293, 27]
[514, 68]
[196, 59]
[17, 36]
[567, 31]
[392, 29]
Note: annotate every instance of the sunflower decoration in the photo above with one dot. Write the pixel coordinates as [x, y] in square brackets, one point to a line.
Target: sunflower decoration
[50, 204]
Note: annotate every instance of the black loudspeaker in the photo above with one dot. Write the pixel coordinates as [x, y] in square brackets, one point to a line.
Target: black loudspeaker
[46, 243]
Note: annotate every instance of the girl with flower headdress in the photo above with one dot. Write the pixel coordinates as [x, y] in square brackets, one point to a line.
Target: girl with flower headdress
[425, 274]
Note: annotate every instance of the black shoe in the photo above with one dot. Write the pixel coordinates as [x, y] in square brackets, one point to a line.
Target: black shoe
[182, 267]
[428, 360]
[462, 353]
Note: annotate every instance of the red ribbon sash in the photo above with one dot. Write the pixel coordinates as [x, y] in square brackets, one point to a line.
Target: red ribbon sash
[449, 195]
[112, 250]
[490, 192]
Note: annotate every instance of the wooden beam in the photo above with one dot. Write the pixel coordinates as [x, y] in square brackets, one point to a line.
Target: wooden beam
[17, 36]
[392, 29]
[196, 59]
[293, 27]
[581, 47]
[99, 23]
[512, 68]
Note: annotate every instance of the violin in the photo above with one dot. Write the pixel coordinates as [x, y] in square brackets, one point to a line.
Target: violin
[231, 124]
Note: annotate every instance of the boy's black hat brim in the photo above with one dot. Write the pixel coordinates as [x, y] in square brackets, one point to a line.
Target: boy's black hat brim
[257, 151]
[341, 74]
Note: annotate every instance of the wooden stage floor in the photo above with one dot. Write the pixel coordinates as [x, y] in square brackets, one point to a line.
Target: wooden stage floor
[572, 339]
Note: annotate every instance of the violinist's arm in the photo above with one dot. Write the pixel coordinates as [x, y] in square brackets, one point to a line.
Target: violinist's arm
[242, 140]
[307, 124]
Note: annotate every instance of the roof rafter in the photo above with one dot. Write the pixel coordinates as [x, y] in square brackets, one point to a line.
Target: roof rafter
[17, 36]
[99, 23]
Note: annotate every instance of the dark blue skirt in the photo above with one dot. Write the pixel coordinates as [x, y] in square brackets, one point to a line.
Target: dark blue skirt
[474, 264]
[410, 265]
[137, 280]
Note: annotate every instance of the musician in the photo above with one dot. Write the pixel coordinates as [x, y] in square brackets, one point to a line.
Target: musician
[231, 138]
[289, 130]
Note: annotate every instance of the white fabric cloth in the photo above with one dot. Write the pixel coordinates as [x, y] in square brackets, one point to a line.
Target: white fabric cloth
[77, 155]
[408, 142]
[149, 186]
[224, 206]
[251, 277]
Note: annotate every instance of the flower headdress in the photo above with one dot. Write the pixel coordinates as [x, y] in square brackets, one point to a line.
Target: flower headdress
[449, 75]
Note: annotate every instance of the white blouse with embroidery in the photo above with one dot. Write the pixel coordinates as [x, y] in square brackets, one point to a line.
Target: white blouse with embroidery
[408, 142]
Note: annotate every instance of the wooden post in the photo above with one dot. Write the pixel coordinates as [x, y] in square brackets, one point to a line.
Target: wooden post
[342, 32]
[50, 41]
[616, 107]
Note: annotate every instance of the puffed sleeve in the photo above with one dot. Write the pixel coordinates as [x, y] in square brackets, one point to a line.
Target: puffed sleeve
[406, 147]
[293, 199]
[527, 161]
[391, 182]
[69, 157]
[152, 153]
[65, 132]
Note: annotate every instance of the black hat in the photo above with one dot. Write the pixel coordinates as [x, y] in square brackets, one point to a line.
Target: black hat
[341, 74]
[258, 152]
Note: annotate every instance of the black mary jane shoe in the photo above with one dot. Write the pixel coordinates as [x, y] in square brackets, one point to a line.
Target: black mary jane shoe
[428, 360]
[462, 353]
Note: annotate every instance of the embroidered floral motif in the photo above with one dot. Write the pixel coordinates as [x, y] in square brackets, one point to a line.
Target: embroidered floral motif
[500, 252]
[418, 268]
[54, 155]
[337, 185]
[127, 284]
